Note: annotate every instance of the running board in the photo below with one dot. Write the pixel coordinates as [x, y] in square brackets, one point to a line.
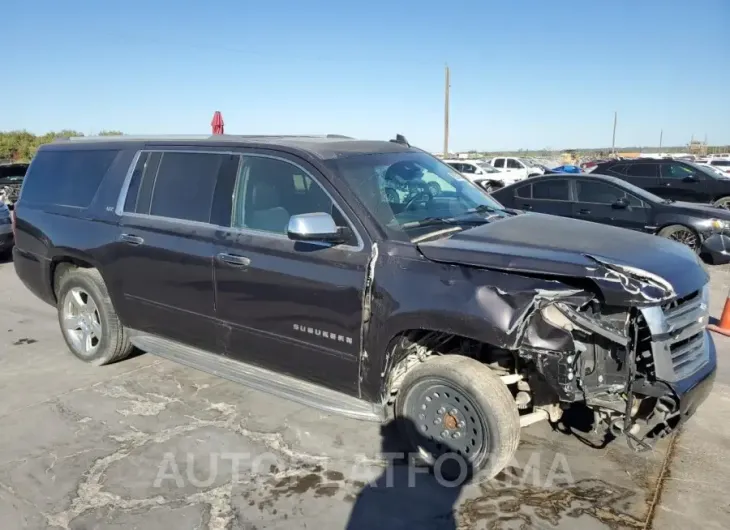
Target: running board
[259, 378]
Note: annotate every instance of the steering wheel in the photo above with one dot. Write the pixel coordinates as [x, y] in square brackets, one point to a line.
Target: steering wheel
[414, 200]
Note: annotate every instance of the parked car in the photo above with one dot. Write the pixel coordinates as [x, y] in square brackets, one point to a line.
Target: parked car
[480, 173]
[723, 164]
[11, 179]
[6, 230]
[278, 262]
[515, 168]
[672, 179]
[609, 200]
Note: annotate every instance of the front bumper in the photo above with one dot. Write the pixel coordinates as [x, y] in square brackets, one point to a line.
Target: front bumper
[693, 390]
[717, 246]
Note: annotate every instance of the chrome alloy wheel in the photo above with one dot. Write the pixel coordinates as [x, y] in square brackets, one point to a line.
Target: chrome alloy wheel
[81, 322]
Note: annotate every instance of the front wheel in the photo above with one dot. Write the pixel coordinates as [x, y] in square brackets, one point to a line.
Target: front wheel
[458, 417]
[682, 234]
[723, 202]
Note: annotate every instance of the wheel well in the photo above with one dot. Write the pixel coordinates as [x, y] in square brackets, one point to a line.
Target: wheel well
[666, 225]
[60, 265]
[413, 346]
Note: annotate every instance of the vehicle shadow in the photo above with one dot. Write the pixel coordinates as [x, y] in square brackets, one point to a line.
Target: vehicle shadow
[406, 494]
[6, 257]
[579, 421]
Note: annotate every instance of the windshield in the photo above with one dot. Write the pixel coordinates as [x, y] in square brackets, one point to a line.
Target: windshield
[705, 170]
[409, 190]
[486, 167]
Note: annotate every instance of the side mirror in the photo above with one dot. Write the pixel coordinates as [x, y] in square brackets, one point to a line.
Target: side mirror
[621, 204]
[691, 178]
[318, 226]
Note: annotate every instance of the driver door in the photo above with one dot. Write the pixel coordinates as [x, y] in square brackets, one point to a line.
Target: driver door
[683, 183]
[604, 203]
[290, 306]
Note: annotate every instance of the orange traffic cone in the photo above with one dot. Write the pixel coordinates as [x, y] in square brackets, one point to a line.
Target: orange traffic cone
[723, 327]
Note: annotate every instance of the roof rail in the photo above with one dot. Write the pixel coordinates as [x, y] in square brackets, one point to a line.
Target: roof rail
[174, 137]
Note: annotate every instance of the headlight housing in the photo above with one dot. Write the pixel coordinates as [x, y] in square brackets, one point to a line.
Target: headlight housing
[719, 224]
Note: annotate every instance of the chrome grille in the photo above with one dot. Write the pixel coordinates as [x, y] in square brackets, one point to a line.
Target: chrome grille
[678, 335]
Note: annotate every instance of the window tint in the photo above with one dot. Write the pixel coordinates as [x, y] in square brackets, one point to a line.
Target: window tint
[68, 177]
[272, 190]
[618, 169]
[643, 170]
[513, 164]
[598, 192]
[720, 162]
[183, 186]
[499, 162]
[467, 168]
[555, 190]
[676, 171]
[524, 192]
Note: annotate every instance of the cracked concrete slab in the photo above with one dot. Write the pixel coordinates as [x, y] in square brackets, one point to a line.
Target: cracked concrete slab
[150, 444]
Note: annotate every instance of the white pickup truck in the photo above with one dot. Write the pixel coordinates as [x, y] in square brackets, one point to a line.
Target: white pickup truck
[517, 168]
[482, 173]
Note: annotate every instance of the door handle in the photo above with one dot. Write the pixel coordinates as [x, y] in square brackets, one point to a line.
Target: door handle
[131, 239]
[584, 211]
[234, 260]
[526, 207]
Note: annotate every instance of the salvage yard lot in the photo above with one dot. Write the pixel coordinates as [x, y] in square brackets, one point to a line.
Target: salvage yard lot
[149, 444]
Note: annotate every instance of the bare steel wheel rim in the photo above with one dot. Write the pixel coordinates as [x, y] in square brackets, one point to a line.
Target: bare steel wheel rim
[686, 237]
[446, 421]
[81, 321]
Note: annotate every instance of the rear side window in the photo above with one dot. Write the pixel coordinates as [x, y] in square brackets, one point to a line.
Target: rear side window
[618, 169]
[643, 170]
[67, 177]
[182, 186]
[554, 190]
[524, 192]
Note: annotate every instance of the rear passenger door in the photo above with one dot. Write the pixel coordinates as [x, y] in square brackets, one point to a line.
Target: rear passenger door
[293, 307]
[161, 262]
[550, 196]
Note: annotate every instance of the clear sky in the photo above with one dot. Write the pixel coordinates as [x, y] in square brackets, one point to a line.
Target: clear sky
[524, 73]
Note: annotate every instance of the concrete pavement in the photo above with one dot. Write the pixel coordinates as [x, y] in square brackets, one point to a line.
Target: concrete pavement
[149, 444]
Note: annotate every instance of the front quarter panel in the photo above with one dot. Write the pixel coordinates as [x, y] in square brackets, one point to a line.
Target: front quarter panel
[411, 293]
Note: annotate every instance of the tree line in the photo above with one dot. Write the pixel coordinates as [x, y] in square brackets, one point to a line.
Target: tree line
[20, 146]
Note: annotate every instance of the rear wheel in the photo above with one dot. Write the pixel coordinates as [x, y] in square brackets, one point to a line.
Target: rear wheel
[457, 416]
[682, 234]
[89, 324]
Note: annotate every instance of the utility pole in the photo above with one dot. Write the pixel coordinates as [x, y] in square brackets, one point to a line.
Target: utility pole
[661, 134]
[613, 142]
[446, 115]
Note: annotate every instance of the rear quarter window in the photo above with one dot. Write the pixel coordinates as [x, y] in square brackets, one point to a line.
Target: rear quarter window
[66, 177]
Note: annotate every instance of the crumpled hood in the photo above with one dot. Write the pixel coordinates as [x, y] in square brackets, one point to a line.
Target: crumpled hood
[629, 267]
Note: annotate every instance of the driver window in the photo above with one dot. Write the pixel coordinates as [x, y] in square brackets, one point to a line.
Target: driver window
[513, 164]
[467, 168]
[676, 171]
[270, 191]
[499, 162]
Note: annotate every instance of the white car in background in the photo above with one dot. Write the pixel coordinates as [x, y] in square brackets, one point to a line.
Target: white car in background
[517, 168]
[481, 173]
[719, 163]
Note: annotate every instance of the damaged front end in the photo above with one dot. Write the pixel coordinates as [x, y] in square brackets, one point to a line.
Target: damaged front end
[637, 354]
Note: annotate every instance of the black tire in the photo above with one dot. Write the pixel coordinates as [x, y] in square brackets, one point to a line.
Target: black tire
[113, 345]
[483, 406]
[682, 234]
[722, 202]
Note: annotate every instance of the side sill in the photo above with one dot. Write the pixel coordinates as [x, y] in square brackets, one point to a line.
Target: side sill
[274, 383]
